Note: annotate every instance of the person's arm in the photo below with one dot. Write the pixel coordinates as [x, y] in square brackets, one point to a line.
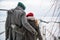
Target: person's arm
[7, 25]
[38, 30]
[39, 35]
[6, 30]
[27, 25]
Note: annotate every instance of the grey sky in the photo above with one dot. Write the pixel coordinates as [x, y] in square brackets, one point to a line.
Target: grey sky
[40, 8]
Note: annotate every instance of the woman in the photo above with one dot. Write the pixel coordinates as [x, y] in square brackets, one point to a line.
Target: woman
[34, 23]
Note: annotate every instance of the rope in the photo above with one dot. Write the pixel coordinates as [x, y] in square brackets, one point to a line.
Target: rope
[2, 21]
[49, 21]
[55, 21]
[2, 32]
[50, 8]
[3, 10]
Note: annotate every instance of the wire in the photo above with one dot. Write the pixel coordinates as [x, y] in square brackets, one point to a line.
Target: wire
[53, 15]
[2, 21]
[43, 21]
[54, 24]
[2, 32]
[3, 10]
[54, 10]
[48, 22]
[56, 19]
[50, 8]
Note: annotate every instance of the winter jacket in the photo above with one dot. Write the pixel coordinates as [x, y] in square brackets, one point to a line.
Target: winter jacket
[17, 17]
[30, 36]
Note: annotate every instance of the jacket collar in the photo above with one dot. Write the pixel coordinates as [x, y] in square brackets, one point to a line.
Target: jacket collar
[19, 8]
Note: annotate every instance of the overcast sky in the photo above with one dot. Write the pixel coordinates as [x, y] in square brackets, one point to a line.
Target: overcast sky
[40, 8]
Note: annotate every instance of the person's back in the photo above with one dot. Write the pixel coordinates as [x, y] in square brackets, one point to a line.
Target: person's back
[35, 25]
[15, 19]
[29, 35]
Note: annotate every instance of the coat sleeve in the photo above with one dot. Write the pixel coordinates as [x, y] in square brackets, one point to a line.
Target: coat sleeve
[27, 25]
[6, 31]
[7, 25]
[39, 34]
[38, 30]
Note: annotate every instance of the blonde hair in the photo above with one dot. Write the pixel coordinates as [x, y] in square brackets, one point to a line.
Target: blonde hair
[36, 22]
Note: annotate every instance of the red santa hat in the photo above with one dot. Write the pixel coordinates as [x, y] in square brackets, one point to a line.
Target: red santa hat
[30, 14]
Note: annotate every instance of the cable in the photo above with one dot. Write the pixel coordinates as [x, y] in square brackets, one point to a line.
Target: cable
[53, 14]
[48, 22]
[2, 21]
[55, 20]
[49, 32]
[54, 10]
[43, 21]
[3, 10]
[50, 8]
[2, 32]
[54, 23]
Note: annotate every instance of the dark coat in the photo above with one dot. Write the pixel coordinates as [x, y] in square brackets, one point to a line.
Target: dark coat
[30, 36]
[17, 17]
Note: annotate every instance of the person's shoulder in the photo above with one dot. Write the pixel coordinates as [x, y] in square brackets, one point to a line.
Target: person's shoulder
[20, 11]
[10, 11]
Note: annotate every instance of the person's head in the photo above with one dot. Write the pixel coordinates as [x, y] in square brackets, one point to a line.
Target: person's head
[30, 16]
[21, 5]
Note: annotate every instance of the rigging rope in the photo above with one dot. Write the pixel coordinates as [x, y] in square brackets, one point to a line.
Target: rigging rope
[2, 32]
[3, 10]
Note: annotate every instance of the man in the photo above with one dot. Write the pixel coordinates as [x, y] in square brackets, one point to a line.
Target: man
[35, 25]
[16, 23]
